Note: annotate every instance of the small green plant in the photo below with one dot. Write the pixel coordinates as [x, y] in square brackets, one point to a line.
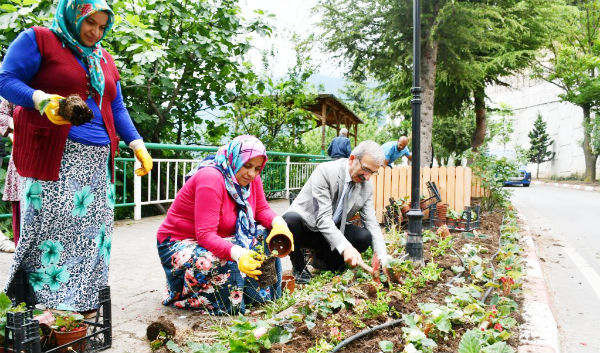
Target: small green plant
[5, 307]
[68, 321]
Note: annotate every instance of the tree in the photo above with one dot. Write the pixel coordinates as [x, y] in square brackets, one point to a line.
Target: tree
[452, 134]
[464, 44]
[275, 109]
[572, 62]
[502, 126]
[540, 141]
[178, 60]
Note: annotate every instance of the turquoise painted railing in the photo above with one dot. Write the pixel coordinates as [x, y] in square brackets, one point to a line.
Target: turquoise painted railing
[167, 176]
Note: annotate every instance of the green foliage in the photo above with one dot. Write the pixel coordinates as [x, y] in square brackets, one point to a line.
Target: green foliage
[275, 109]
[68, 320]
[501, 126]
[20, 15]
[572, 62]
[493, 171]
[540, 141]
[452, 134]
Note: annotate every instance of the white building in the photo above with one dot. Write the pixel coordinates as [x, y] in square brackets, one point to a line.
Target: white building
[527, 97]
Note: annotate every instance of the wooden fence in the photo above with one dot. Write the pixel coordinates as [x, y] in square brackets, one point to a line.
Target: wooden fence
[456, 185]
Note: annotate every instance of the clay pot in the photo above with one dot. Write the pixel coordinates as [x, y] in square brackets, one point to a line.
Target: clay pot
[67, 337]
[269, 273]
[405, 209]
[441, 211]
[288, 282]
[281, 240]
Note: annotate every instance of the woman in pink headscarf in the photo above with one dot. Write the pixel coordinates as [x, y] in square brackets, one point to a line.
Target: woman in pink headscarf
[207, 239]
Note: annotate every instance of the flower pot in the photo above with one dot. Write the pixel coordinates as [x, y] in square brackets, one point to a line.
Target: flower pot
[405, 209]
[70, 336]
[269, 273]
[281, 240]
[441, 211]
[288, 282]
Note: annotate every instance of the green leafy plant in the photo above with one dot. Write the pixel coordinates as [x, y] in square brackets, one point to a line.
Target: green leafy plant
[5, 307]
[68, 321]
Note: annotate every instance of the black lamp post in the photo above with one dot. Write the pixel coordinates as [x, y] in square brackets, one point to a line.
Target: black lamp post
[414, 244]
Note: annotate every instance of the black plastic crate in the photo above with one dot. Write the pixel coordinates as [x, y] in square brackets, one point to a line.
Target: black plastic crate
[22, 333]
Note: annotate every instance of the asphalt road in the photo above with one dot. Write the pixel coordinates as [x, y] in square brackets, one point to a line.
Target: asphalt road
[564, 225]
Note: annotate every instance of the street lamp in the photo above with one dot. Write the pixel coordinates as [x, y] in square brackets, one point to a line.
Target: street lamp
[414, 244]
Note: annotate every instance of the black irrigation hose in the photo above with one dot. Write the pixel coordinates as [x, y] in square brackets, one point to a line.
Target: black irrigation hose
[364, 333]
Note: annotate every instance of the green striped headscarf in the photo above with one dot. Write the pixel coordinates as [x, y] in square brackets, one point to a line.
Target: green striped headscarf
[69, 16]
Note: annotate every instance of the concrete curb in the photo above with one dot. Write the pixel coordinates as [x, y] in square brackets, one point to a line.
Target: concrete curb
[568, 186]
[539, 333]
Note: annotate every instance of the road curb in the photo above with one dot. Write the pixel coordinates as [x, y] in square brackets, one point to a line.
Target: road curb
[568, 186]
[539, 332]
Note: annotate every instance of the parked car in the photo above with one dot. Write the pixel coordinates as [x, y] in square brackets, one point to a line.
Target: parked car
[523, 177]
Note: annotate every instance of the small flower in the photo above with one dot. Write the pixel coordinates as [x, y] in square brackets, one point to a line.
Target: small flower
[50, 252]
[57, 275]
[180, 258]
[508, 268]
[236, 296]
[498, 327]
[33, 195]
[264, 292]
[259, 332]
[203, 301]
[335, 334]
[38, 279]
[81, 200]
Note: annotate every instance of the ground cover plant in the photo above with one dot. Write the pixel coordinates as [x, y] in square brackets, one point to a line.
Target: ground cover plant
[464, 299]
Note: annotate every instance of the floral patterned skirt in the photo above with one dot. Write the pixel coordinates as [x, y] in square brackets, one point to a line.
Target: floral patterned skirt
[66, 230]
[198, 280]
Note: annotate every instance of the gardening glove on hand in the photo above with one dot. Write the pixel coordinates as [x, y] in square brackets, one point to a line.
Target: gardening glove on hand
[142, 155]
[246, 261]
[49, 103]
[279, 226]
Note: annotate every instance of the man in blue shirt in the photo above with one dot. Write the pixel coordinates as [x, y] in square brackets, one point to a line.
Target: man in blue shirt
[396, 149]
[340, 146]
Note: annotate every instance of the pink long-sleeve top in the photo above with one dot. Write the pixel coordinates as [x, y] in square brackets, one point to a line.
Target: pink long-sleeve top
[203, 210]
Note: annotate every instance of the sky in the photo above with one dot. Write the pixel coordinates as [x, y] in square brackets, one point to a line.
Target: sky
[292, 16]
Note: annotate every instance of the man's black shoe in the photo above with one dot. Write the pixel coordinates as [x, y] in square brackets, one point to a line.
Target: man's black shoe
[303, 277]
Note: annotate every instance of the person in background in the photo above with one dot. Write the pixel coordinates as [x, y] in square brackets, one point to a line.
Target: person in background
[207, 242]
[334, 192]
[68, 197]
[396, 149]
[340, 146]
[12, 190]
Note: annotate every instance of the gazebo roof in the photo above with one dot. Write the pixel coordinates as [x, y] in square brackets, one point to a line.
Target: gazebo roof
[335, 111]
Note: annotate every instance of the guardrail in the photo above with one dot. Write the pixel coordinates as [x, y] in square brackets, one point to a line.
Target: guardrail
[167, 177]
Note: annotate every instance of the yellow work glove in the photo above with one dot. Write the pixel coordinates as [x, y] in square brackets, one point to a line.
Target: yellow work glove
[280, 238]
[246, 260]
[48, 104]
[142, 155]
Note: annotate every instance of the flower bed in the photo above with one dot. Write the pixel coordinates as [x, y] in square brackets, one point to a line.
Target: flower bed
[464, 299]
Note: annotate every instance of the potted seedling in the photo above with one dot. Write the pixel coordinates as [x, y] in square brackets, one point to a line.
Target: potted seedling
[6, 307]
[69, 327]
[268, 276]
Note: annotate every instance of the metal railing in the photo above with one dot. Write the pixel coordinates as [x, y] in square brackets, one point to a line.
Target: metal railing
[167, 176]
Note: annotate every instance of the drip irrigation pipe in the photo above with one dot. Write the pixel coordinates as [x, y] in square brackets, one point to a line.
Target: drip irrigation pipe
[364, 333]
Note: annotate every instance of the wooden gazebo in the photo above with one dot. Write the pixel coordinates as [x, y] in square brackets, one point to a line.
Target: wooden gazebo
[330, 111]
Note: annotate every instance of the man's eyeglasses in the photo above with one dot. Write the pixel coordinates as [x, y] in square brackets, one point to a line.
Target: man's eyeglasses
[367, 170]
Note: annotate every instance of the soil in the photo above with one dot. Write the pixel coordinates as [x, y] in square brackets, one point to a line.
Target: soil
[161, 324]
[269, 273]
[434, 292]
[488, 237]
[74, 109]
